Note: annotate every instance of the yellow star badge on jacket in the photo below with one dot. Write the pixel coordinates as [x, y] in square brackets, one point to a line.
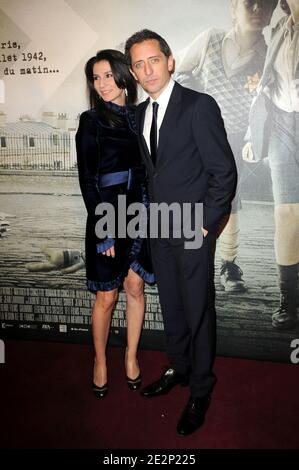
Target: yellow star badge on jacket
[252, 82]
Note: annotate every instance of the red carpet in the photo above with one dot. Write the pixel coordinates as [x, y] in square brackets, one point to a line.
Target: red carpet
[46, 402]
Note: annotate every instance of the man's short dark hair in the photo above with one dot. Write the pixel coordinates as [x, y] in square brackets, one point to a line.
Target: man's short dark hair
[145, 35]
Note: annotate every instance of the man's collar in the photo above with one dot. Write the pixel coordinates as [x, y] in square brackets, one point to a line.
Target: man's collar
[163, 99]
[231, 36]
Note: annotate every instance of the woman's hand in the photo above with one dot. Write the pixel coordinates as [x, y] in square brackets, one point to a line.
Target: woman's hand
[109, 252]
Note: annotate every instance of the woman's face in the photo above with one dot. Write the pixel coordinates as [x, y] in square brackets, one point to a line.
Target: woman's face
[105, 85]
[251, 15]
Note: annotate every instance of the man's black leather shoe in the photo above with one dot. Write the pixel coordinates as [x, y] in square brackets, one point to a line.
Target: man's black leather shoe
[167, 381]
[193, 415]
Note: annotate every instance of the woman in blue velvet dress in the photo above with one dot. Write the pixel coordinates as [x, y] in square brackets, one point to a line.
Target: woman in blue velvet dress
[109, 165]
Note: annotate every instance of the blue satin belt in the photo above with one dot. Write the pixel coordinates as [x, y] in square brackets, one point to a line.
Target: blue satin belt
[118, 177]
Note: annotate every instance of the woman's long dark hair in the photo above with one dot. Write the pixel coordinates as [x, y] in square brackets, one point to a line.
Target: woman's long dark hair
[122, 77]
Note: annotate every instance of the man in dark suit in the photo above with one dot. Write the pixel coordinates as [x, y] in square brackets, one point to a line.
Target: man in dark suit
[188, 160]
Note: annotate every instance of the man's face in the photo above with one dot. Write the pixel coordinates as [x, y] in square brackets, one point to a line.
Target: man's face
[253, 15]
[150, 67]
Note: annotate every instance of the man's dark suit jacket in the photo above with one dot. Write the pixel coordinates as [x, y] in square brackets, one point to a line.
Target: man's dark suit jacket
[194, 161]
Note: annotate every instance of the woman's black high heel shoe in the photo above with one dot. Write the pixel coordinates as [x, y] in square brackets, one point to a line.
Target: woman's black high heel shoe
[100, 392]
[134, 384]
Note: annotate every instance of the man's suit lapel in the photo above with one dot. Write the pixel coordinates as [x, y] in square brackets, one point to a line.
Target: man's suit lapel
[140, 123]
[169, 119]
